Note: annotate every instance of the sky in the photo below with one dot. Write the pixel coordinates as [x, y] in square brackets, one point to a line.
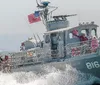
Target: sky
[15, 28]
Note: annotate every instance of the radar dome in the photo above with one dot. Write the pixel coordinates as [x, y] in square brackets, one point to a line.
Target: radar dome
[45, 2]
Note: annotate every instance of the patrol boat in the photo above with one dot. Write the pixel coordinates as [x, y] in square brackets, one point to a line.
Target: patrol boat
[77, 46]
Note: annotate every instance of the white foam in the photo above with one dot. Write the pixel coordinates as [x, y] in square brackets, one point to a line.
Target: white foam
[52, 76]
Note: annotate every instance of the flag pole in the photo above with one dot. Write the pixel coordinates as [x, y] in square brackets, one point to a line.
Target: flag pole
[35, 39]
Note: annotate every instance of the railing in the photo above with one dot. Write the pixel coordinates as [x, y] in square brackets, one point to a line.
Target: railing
[14, 63]
[80, 48]
[32, 57]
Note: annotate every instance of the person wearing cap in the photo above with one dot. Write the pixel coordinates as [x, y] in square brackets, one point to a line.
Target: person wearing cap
[6, 65]
[83, 38]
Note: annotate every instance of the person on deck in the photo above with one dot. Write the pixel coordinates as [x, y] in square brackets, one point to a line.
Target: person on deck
[94, 44]
[82, 37]
[75, 32]
[6, 65]
[22, 47]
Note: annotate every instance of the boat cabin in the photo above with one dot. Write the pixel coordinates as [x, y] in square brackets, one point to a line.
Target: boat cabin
[60, 39]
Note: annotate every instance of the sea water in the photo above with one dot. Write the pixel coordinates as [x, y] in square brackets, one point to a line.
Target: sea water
[50, 76]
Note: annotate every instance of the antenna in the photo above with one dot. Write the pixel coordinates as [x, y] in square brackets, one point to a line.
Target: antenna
[38, 37]
[37, 3]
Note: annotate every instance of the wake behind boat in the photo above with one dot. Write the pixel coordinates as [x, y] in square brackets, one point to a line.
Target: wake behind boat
[77, 46]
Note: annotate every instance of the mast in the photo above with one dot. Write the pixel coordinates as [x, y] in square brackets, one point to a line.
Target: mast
[52, 22]
[44, 7]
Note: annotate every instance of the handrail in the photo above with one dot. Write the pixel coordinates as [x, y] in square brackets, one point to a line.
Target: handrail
[72, 50]
[80, 48]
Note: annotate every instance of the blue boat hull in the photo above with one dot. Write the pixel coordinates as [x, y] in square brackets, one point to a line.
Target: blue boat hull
[89, 64]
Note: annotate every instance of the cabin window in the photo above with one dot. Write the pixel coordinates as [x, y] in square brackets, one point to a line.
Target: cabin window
[47, 39]
[84, 32]
[54, 38]
[93, 32]
[70, 35]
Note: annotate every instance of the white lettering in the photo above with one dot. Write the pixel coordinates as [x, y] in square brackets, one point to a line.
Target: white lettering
[96, 63]
[91, 65]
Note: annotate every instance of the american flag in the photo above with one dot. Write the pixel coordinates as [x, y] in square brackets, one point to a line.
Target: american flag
[34, 17]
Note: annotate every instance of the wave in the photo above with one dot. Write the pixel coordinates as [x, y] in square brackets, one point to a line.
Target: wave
[50, 76]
